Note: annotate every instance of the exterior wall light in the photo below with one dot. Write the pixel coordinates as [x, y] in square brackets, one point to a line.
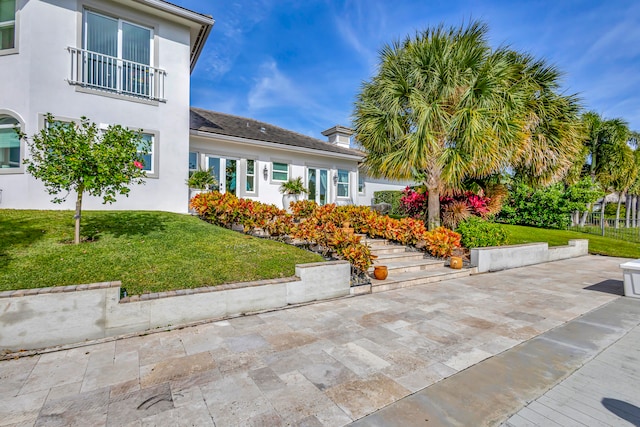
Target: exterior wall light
[265, 172]
[335, 179]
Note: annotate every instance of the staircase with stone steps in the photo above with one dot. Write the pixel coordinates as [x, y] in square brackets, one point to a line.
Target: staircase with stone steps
[407, 268]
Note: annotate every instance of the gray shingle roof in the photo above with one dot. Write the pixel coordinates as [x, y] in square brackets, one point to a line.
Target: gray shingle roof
[241, 127]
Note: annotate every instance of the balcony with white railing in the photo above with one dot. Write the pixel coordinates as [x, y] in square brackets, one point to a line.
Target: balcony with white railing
[108, 73]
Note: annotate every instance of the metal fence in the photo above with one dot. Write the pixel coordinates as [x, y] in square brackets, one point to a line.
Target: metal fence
[609, 227]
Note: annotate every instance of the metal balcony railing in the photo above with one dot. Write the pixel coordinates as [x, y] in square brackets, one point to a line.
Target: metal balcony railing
[108, 73]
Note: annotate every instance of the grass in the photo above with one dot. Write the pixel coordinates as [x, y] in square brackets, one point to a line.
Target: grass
[147, 251]
[597, 244]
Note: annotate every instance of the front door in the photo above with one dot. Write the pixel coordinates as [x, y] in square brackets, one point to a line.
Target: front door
[225, 172]
[317, 183]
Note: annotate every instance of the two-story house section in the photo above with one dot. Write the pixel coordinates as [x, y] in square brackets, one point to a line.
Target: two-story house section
[124, 62]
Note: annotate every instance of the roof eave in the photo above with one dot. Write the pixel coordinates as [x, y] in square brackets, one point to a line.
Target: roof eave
[267, 144]
[204, 21]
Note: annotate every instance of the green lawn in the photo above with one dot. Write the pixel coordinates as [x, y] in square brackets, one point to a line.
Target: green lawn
[147, 251]
[597, 244]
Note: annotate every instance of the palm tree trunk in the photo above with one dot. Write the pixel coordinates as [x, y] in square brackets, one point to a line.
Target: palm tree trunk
[634, 220]
[637, 211]
[627, 208]
[618, 209]
[433, 197]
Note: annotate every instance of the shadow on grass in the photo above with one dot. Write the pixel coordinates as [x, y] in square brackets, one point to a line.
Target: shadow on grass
[611, 286]
[18, 233]
[122, 223]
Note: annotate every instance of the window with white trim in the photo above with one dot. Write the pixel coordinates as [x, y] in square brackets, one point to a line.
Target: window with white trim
[279, 171]
[193, 162]
[119, 54]
[146, 151]
[251, 176]
[343, 183]
[10, 143]
[7, 24]
[361, 188]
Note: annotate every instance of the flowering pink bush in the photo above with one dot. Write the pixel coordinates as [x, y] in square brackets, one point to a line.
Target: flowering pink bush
[415, 203]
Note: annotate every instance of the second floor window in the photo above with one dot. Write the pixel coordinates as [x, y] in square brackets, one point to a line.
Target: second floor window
[118, 54]
[7, 24]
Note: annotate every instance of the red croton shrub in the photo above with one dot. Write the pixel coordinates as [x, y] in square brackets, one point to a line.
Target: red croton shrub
[321, 226]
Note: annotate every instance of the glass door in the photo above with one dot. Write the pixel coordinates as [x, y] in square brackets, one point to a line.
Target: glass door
[317, 183]
[225, 171]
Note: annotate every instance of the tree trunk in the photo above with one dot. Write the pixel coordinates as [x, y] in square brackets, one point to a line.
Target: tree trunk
[627, 209]
[637, 211]
[583, 220]
[77, 215]
[433, 198]
[618, 210]
[634, 220]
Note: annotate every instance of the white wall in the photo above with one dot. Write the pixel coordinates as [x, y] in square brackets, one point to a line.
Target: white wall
[372, 185]
[300, 162]
[33, 82]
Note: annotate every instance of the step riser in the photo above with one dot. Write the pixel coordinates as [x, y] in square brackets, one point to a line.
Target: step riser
[388, 250]
[411, 256]
[383, 287]
[413, 268]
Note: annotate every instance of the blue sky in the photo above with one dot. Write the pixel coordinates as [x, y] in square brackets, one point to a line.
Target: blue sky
[299, 64]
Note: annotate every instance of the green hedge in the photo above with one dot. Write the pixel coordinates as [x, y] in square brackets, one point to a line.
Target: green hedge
[393, 198]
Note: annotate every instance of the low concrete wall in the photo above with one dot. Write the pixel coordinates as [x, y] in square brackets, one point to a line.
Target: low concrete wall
[504, 257]
[46, 317]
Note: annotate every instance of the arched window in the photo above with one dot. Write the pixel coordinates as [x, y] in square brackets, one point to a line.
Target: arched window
[9, 143]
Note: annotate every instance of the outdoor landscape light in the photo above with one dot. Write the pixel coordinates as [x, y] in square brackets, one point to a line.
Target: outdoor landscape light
[265, 172]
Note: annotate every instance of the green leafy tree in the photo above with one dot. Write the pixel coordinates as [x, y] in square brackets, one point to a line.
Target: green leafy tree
[446, 106]
[79, 158]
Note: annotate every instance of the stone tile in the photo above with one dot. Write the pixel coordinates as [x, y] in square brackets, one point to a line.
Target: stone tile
[124, 388]
[14, 373]
[244, 343]
[520, 315]
[21, 409]
[325, 372]
[266, 419]
[364, 396]
[65, 390]
[159, 347]
[299, 399]
[289, 340]
[195, 380]
[124, 367]
[285, 361]
[362, 362]
[139, 405]
[402, 362]
[476, 322]
[192, 414]
[235, 399]
[266, 379]
[463, 359]
[199, 340]
[89, 409]
[231, 363]
[52, 372]
[176, 368]
[424, 377]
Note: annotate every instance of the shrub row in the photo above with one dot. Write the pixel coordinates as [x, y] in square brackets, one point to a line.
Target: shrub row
[321, 227]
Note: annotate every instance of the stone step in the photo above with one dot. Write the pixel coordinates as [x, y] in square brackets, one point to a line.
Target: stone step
[424, 264]
[385, 259]
[388, 249]
[408, 279]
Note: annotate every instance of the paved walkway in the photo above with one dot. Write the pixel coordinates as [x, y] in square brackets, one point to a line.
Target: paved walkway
[323, 364]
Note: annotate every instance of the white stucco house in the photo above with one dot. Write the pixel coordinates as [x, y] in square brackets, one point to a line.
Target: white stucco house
[128, 62]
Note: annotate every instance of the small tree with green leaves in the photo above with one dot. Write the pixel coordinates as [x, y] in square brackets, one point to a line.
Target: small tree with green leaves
[80, 158]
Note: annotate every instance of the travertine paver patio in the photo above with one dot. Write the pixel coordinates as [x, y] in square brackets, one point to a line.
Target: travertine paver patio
[322, 364]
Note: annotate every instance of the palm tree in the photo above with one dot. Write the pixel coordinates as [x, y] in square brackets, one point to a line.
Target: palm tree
[445, 105]
[609, 159]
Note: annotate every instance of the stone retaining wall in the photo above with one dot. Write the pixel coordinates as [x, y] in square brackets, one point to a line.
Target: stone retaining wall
[46, 317]
[504, 257]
